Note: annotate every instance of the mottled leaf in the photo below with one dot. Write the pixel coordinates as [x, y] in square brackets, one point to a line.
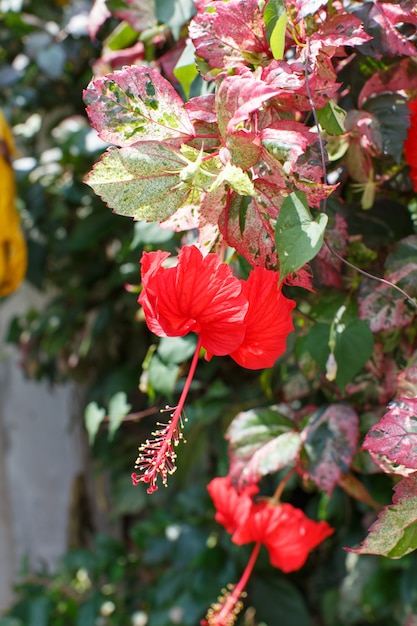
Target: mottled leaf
[384, 307]
[261, 441]
[137, 104]
[395, 435]
[298, 237]
[140, 183]
[394, 534]
[330, 438]
[341, 30]
[230, 34]
[247, 224]
[381, 21]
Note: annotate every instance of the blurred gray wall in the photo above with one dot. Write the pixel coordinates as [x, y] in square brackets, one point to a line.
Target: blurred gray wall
[40, 455]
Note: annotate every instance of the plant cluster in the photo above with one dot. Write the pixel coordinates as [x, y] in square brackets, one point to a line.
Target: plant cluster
[268, 164]
[270, 147]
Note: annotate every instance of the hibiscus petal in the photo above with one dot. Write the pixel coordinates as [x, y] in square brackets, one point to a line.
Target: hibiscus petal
[232, 508]
[268, 321]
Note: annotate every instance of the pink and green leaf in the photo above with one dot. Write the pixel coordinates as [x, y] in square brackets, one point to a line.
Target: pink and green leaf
[261, 442]
[230, 34]
[395, 435]
[136, 104]
[394, 533]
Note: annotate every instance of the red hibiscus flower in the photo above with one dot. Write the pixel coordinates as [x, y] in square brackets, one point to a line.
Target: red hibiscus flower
[249, 320]
[410, 144]
[198, 295]
[284, 530]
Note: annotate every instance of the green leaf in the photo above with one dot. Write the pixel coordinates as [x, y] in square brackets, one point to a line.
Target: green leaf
[185, 69]
[123, 36]
[298, 237]
[175, 13]
[273, 11]
[393, 114]
[176, 350]
[149, 232]
[354, 346]
[332, 118]
[118, 409]
[39, 611]
[277, 601]
[394, 534]
[130, 180]
[277, 40]
[162, 377]
[93, 416]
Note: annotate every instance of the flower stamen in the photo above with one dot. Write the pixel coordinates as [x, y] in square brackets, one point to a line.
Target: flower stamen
[157, 456]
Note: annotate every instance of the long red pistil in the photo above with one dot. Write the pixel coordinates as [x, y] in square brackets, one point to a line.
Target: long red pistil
[224, 612]
[157, 456]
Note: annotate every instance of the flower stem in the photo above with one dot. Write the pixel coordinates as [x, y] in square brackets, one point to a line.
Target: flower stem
[279, 490]
[224, 613]
[157, 456]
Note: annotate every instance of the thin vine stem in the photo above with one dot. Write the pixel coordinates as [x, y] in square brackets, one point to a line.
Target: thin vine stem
[384, 281]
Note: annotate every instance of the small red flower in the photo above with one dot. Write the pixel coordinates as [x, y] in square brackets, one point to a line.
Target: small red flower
[284, 530]
[198, 295]
[268, 321]
[410, 144]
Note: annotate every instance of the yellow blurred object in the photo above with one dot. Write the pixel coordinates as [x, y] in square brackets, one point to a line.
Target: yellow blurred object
[13, 251]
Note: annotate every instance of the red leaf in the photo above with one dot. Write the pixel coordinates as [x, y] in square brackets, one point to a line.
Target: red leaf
[137, 104]
[230, 34]
[395, 435]
[330, 438]
[341, 30]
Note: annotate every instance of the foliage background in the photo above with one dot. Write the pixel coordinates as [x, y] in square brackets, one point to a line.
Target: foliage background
[170, 559]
